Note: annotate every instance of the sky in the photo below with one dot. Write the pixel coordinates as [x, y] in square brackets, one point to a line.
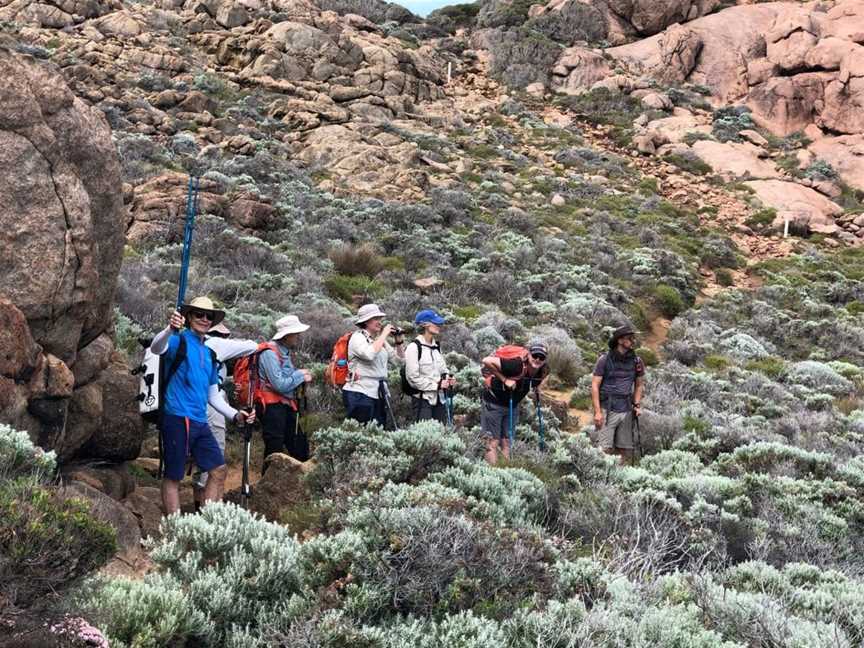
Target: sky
[423, 7]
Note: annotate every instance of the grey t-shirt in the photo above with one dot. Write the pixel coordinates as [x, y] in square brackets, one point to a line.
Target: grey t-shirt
[618, 379]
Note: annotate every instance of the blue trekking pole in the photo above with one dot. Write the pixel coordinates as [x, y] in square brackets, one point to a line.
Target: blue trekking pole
[540, 420]
[191, 210]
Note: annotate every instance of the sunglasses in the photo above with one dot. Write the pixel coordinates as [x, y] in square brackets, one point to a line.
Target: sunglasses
[539, 356]
[202, 315]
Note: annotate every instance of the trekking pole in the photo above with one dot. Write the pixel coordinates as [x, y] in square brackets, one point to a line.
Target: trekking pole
[638, 435]
[246, 487]
[191, 210]
[383, 391]
[448, 405]
[540, 419]
[511, 432]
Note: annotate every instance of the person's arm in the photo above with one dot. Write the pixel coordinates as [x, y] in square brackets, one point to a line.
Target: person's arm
[412, 371]
[160, 343]
[217, 401]
[596, 381]
[637, 394]
[284, 378]
[227, 349]
[360, 347]
[381, 341]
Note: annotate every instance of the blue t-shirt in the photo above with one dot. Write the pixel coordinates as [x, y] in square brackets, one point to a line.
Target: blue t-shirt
[186, 394]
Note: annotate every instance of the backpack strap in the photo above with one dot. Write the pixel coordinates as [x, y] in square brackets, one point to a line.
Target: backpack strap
[179, 357]
[419, 350]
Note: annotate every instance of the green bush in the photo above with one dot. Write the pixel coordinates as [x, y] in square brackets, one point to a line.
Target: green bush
[347, 288]
[689, 163]
[668, 300]
[762, 219]
[47, 542]
[724, 277]
[649, 357]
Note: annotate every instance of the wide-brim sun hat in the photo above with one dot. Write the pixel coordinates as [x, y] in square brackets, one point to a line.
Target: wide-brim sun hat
[620, 332]
[428, 316]
[288, 325]
[367, 312]
[220, 329]
[203, 304]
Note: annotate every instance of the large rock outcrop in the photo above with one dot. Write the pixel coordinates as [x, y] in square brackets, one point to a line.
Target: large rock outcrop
[61, 240]
[792, 64]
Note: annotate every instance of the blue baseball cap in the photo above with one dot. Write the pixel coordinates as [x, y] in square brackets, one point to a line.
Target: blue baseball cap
[428, 316]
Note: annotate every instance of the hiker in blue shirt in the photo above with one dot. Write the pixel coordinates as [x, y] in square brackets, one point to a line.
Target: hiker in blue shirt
[195, 383]
[279, 399]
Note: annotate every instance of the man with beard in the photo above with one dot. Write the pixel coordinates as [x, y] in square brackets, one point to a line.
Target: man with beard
[616, 394]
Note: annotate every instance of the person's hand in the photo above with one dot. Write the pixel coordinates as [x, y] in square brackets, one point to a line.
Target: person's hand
[307, 375]
[244, 417]
[510, 383]
[176, 321]
[451, 382]
[598, 420]
[637, 410]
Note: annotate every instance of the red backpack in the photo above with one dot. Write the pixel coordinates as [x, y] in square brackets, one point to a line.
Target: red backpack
[249, 389]
[508, 352]
[336, 373]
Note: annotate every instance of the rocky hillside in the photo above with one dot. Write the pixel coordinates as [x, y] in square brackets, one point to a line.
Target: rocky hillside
[538, 170]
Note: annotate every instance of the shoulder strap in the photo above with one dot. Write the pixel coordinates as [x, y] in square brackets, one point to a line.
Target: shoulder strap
[179, 357]
[419, 349]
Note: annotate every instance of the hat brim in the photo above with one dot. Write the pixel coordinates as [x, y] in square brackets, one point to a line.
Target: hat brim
[438, 321]
[289, 330]
[366, 318]
[218, 315]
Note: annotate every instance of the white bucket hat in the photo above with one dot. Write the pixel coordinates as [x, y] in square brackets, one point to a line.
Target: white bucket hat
[367, 312]
[288, 325]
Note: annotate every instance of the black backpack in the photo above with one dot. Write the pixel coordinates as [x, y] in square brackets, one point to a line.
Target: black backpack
[407, 388]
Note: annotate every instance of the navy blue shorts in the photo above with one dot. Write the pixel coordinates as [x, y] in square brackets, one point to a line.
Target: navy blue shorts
[182, 437]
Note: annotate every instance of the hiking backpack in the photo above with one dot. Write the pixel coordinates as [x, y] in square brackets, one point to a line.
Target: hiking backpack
[248, 387]
[155, 374]
[507, 352]
[407, 388]
[336, 373]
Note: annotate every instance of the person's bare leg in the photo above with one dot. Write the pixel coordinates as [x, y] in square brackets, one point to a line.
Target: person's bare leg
[215, 484]
[491, 455]
[505, 449]
[170, 496]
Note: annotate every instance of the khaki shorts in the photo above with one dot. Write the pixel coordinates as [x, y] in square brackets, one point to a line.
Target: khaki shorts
[617, 432]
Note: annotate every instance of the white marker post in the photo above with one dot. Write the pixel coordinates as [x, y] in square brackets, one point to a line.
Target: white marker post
[786, 227]
[449, 71]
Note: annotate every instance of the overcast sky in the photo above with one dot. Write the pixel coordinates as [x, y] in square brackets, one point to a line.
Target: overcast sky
[423, 7]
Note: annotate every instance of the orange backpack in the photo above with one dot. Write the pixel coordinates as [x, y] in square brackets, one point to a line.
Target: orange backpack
[336, 373]
[507, 352]
[249, 389]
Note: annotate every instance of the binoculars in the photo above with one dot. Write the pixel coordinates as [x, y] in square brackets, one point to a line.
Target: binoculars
[397, 331]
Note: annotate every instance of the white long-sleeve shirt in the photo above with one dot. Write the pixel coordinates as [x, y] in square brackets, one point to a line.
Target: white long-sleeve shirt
[225, 350]
[366, 367]
[424, 373]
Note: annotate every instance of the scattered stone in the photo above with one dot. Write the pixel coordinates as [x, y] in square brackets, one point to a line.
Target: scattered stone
[558, 200]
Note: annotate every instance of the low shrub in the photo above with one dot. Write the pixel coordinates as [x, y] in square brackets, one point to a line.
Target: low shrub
[668, 300]
[356, 260]
[47, 542]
